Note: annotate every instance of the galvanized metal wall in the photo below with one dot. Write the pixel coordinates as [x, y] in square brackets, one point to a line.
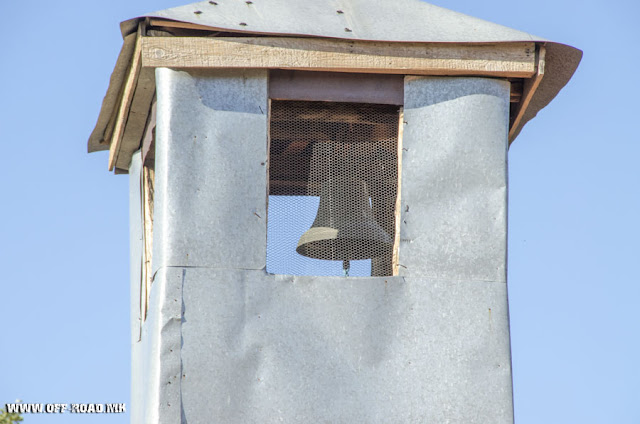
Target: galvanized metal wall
[227, 342]
[211, 153]
[454, 179]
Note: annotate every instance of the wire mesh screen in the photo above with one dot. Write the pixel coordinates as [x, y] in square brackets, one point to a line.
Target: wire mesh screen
[333, 184]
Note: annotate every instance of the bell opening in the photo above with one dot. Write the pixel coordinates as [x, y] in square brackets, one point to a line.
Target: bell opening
[333, 179]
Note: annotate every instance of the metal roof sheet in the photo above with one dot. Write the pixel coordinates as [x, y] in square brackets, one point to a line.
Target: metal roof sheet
[397, 20]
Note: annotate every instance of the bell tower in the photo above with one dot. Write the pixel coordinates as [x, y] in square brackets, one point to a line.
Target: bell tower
[319, 208]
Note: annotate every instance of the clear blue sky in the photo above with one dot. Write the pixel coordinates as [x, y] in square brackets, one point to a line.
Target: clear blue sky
[574, 215]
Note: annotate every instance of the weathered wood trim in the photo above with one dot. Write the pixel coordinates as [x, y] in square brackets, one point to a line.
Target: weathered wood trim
[398, 209]
[101, 134]
[529, 88]
[127, 97]
[137, 118]
[147, 146]
[148, 187]
[498, 59]
[515, 94]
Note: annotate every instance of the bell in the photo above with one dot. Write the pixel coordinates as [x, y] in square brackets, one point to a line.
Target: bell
[344, 228]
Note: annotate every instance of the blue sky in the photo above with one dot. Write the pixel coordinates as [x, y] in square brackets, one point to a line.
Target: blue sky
[574, 209]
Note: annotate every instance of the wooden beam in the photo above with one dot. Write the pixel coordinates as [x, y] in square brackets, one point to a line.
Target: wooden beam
[147, 146]
[529, 88]
[123, 111]
[137, 118]
[148, 177]
[516, 91]
[498, 59]
[395, 255]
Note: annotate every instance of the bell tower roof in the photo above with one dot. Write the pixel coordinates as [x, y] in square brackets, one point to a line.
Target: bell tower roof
[398, 20]
[397, 23]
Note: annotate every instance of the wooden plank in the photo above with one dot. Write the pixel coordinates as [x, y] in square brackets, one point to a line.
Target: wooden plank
[148, 176]
[529, 88]
[499, 59]
[398, 209]
[336, 87]
[127, 97]
[148, 141]
[516, 91]
[138, 117]
[101, 134]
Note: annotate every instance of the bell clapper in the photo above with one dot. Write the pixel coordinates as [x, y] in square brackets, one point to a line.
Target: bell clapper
[346, 266]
